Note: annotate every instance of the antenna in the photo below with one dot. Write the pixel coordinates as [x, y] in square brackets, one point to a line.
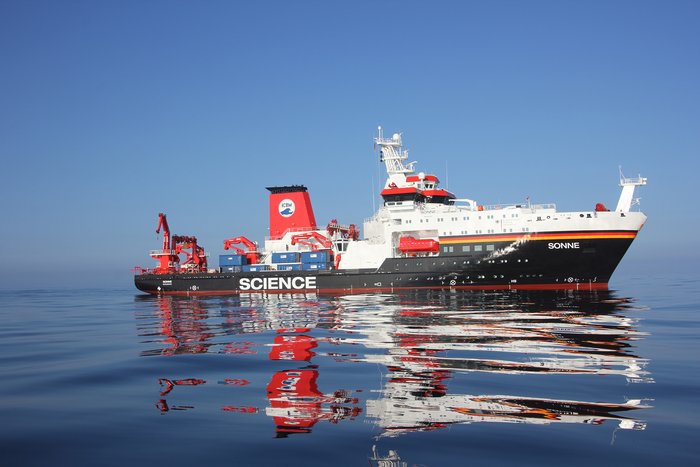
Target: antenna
[447, 176]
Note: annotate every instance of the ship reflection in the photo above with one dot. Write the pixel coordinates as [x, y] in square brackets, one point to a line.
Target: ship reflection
[422, 342]
[429, 340]
[412, 402]
[550, 333]
[183, 327]
[296, 403]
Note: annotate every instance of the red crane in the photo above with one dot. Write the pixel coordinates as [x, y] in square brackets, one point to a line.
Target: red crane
[163, 223]
[252, 252]
[196, 259]
[167, 258]
[346, 231]
[321, 239]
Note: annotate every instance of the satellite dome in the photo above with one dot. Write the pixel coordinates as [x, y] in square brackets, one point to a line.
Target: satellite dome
[396, 137]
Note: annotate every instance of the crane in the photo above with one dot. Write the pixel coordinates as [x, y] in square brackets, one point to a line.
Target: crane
[303, 238]
[251, 252]
[196, 259]
[346, 231]
[163, 223]
[167, 258]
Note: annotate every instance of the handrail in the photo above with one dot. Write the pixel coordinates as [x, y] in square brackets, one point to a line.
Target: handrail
[162, 252]
[169, 253]
[496, 207]
[293, 229]
[633, 180]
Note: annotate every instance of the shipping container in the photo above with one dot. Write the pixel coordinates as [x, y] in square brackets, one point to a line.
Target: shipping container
[230, 268]
[289, 267]
[255, 267]
[286, 257]
[322, 256]
[232, 260]
[315, 266]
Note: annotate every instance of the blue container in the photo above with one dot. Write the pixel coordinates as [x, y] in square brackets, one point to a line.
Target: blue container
[315, 266]
[255, 267]
[230, 268]
[315, 256]
[289, 267]
[232, 260]
[286, 257]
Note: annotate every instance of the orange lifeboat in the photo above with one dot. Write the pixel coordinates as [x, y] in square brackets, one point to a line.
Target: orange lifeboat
[418, 245]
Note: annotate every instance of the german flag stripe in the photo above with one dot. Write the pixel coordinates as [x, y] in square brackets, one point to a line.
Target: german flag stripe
[545, 236]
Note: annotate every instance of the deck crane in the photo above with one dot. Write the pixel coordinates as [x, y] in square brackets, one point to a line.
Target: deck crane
[303, 238]
[251, 252]
[167, 257]
[346, 231]
[196, 259]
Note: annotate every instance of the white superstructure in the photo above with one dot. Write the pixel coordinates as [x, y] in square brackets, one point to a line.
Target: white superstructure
[416, 206]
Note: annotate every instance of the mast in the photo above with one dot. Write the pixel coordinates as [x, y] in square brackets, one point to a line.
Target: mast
[627, 195]
[393, 155]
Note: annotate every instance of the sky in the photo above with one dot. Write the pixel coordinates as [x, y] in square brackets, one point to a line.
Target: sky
[114, 111]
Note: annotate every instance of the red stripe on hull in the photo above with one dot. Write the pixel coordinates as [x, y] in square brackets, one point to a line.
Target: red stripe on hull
[572, 286]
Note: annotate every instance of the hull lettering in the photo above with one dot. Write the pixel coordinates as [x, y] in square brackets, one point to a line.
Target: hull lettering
[563, 245]
[277, 283]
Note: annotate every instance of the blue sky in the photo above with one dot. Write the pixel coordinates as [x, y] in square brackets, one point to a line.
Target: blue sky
[113, 111]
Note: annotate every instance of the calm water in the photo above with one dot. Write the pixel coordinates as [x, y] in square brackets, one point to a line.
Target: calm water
[111, 377]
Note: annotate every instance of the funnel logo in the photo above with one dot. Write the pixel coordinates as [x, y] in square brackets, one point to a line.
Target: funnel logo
[286, 208]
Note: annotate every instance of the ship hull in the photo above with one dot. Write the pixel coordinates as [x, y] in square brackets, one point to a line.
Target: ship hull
[586, 263]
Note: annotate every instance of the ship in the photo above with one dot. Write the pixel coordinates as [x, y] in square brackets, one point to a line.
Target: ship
[422, 237]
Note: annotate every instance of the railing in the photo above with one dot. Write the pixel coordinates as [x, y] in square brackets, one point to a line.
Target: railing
[293, 229]
[168, 253]
[380, 214]
[633, 181]
[533, 207]
[162, 253]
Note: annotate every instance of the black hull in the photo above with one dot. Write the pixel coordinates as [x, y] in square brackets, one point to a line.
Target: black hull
[534, 265]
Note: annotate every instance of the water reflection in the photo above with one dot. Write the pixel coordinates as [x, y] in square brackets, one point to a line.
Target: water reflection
[569, 333]
[296, 403]
[421, 343]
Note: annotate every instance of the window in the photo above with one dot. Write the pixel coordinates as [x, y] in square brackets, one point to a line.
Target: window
[466, 248]
[478, 247]
[489, 248]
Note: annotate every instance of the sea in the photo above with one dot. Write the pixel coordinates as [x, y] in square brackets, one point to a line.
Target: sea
[112, 377]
